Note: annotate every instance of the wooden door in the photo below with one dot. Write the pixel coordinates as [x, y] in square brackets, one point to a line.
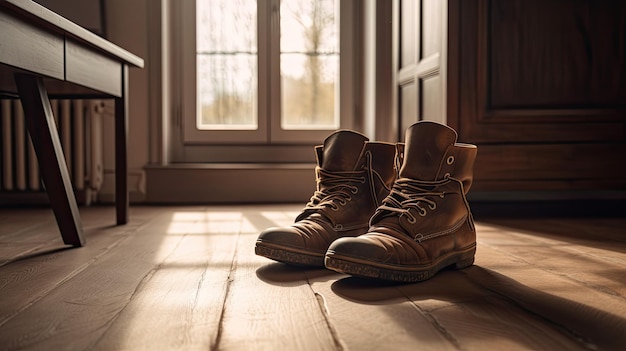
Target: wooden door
[540, 86]
[421, 61]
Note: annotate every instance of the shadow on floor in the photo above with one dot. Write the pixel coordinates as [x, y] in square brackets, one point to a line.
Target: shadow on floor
[282, 274]
[483, 289]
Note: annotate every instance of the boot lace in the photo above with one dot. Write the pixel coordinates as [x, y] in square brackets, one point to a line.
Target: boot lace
[408, 194]
[335, 188]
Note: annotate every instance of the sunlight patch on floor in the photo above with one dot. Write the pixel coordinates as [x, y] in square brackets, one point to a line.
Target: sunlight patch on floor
[280, 218]
[210, 222]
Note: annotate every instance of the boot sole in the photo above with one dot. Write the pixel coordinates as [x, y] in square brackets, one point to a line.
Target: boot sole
[288, 255]
[403, 274]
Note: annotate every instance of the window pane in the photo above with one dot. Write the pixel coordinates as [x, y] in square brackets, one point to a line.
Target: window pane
[309, 63]
[226, 61]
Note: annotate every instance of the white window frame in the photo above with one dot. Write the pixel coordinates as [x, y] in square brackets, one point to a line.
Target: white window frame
[272, 144]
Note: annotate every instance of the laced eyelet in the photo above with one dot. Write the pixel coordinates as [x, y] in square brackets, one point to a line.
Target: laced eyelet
[432, 206]
[338, 227]
[363, 180]
[411, 219]
[334, 207]
[446, 176]
[450, 160]
[418, 237]
[354, 190]
[422, 212]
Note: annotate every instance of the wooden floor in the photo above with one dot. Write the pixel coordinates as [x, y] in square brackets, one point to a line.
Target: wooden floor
[186, 278]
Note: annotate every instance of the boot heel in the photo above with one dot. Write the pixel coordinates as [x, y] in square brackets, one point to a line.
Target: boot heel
[465, 260]
[464, 263]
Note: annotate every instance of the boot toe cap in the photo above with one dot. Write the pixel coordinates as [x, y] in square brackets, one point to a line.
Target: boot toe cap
[301, 237]
[362, 247]
[286, 236]
[374, 247]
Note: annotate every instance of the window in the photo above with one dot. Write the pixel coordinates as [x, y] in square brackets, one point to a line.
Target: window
[309, 64]
[268, 73]
[226, 65]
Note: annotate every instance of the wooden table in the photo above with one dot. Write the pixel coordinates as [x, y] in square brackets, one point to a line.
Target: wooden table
[43, 54]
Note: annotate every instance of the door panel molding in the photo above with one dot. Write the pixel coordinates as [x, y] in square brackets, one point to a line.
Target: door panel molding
[565, 136]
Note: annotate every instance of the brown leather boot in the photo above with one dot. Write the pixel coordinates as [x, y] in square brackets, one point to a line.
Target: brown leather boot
[425, 223]
[353, 177]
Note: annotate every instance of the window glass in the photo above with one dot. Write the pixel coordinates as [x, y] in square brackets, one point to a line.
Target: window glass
[226, 49]
[309, 64]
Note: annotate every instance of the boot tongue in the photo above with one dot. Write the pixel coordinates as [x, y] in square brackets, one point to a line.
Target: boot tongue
[342, 150]
[425, 148]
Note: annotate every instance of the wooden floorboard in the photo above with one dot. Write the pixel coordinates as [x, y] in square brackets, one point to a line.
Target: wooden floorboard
[187, 278]
[23, 233]
[75, 293]
[179, 302]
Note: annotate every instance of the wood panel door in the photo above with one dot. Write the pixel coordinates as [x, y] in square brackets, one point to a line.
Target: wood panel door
[421, 61]
[540, 86]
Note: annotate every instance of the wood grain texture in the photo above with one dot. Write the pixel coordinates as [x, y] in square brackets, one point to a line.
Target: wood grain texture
[545, 280]
[178, 304]
[79, 69]
[548, 161]
[422, 53]
[52, 22]
[555, 54]
[20, 236]
[45, 292]
[538, 86]
[42, 128]
[31, 48]
[187, 278]
[44, 44]
[389, 317]
[261, 315]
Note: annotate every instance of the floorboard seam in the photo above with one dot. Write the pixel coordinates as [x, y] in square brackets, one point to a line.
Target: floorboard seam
[435, 323]
[144, 280]
[529, 309]
[26, 253]
[67, 278]
[331, 328]
[229, 282]
[565, 276]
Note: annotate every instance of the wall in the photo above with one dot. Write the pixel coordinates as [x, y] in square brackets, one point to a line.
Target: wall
[85, 13]
[380, 122]
[126, 25]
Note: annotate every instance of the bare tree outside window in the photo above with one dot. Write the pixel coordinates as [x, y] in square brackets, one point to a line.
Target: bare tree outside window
[309, 63]
[226, 45]
[227, 64]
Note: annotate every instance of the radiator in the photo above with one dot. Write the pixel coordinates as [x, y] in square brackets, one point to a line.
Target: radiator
[79, 123]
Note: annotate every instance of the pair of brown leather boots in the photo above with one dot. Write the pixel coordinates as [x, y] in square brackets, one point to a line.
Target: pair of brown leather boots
[394, 212]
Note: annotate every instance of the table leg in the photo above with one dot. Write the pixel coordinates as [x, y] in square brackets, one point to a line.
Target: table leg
[42, 128]
[121, 161]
